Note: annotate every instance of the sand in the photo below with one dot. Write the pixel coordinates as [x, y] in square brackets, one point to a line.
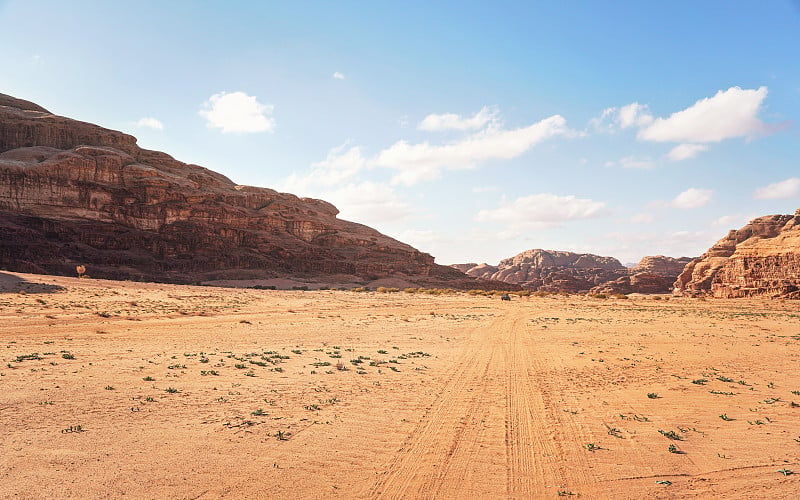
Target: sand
[119, 389]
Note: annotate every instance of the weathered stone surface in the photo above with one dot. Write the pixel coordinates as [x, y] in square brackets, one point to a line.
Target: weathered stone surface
[552, 271]
[76, 193]
[760, 259]
[653, 274]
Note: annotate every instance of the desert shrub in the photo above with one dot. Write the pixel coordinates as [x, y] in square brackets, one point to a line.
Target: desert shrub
[522, 293]
[410, 290]
[359, 289]
[619, 296]
[383, 289]
[598, 295]
[540, 293]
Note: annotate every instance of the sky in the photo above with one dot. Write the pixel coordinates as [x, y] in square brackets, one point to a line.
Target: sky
[470, 130]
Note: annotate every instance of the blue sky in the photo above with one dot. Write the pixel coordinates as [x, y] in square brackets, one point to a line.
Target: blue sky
[471, 130]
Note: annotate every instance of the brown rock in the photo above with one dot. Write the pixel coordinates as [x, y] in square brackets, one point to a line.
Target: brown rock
[552, 271]
[760, 259]
[74, 193]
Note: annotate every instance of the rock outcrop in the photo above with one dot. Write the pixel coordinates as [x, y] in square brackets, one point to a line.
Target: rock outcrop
[552, 271]
[75, 193]
[760, 259]
[555, 271]
[653, 274]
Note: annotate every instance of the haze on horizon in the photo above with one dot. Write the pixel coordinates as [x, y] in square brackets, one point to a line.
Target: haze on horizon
[468, 130]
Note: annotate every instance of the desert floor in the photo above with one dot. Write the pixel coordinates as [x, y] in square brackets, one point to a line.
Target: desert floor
[111, 389]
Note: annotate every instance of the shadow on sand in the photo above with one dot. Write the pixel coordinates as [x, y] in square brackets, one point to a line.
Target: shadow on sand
[14, 284]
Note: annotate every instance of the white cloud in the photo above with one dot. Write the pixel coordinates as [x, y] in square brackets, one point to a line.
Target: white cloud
[692, 198]
[730, 113]
[686, 151]
[627, 116]
[237, 112]
[150, 123]
[633, 162]
[634, 114]
[484, 189]
[418, 162]
[368, 203]
[450, 121]
[642, 218]
[732, 221]
[342, 164]
[779, 190]
[542, 210]
[338, 76]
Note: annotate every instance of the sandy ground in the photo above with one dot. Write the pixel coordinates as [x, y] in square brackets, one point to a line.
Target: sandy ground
[112, 389]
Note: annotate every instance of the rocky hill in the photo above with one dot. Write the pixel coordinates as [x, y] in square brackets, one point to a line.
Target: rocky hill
[653, 274]
[760, 259]
[75, 193]
[552, 271]
[556, 271]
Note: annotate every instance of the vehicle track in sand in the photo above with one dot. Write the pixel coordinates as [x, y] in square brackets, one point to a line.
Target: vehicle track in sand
[489, 432]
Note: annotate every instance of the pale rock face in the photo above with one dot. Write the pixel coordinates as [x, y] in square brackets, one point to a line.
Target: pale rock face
[760, 259]
[75, 193]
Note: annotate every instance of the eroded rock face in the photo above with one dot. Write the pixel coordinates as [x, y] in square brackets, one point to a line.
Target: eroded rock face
[653, 274]
[552, 271]
[760, 259]
[76, 193]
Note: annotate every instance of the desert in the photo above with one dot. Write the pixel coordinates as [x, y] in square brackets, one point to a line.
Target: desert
[145, 390]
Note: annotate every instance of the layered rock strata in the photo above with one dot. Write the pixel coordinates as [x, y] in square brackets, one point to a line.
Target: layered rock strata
[760, 259]
[75, 193]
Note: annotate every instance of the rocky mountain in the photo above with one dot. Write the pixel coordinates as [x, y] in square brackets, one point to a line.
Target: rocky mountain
[76, 193]
[760, 259]
[552, 271]
[653, 274]
[555, 271]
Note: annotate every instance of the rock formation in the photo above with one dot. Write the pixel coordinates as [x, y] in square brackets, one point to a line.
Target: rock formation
[552, 271]
[653, 274]
[760, 259]
[75, 193]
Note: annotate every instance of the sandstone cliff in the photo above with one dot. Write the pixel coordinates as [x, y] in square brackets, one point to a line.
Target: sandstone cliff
[653, 274]
[75, 193]
[760, 259]
[552, 271]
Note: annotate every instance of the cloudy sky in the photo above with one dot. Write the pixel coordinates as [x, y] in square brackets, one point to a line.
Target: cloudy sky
[471, 130]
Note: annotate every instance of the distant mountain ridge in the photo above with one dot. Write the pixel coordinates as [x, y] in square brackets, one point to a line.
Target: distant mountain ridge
[559, 271]
[76, 193]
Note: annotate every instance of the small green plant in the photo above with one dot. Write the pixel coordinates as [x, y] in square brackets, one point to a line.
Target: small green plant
[770, 401]
[722, 393]
[68, 355]
[148, 379]
[209, 372]
[250, 374]
[796, 393]
[240, 366]
[593, 447]
[281, 436]
[73, 428]
[673, 449]
[671, 435]
[204, 360]
[755, 422]
[171, 390]
[150, 399]
[653, 395]
[312, 407]
[110, 388]
[722, 378]
[786, 472]
[381, 351]
[699, 381]
[726, 418]
[563, 493]
[613, 431]
[665, 483]
[259, 413]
